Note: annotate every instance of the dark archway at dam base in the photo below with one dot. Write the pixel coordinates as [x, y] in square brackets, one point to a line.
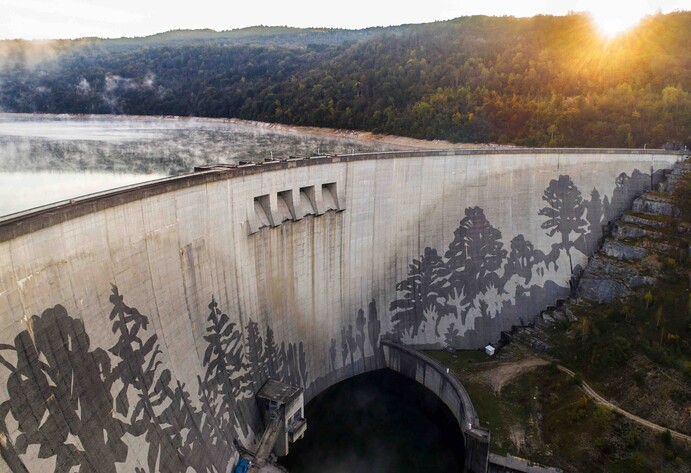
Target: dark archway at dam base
[379, 421]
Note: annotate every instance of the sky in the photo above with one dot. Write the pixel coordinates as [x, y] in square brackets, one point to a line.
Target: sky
[60, 19]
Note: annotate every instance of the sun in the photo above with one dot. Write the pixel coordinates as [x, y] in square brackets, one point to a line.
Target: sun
[613, 18]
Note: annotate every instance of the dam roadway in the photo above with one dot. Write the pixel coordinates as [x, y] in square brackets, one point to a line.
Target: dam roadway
[138, 325]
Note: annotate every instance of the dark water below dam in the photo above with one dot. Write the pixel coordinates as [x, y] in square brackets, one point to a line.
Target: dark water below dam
[378, 422]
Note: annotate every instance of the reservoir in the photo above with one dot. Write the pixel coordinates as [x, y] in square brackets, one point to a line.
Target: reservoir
[49, 158]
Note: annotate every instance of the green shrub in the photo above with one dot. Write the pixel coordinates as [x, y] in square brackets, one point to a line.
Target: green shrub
[639, 378]
[666, 438]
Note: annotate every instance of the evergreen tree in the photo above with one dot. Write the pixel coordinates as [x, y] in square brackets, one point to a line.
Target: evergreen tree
[302, 364]
[473, 259]
[564, 212]
[423, 294]
[271, 354]
[256, 354]
[374, 328]
[344, 347]
[594, 214]
[352, 345]
[226, 367]
[360, 323]
[332, 354]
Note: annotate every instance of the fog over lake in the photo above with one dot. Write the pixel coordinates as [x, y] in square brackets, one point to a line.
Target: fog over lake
[47, 158]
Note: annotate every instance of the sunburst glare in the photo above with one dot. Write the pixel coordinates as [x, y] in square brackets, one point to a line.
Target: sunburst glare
[614, 18]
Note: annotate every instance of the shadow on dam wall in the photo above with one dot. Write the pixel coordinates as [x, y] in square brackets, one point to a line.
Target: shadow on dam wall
[138, 325]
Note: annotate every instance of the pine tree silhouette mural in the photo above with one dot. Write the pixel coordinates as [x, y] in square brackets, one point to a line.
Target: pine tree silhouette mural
[226, 369]
[271, 354]
[606, 209]
[332, 354]
[162, 413]
[374, 330]
[594, 214]
[302, 364]
[344, 347]
[473, 259]
[284, 370]
[360, 323]
[564, 212]
[256, 354]
[423, 295]
[352, 345]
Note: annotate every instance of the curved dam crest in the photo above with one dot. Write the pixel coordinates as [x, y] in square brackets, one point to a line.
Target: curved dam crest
[138, 325]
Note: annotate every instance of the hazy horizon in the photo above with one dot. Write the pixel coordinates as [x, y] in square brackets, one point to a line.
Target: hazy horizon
[76, 19]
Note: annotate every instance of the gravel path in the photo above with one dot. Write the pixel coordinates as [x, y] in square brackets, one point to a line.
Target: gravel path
[601, 400]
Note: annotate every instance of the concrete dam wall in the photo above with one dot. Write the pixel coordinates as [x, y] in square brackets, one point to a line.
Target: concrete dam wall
[136, 326]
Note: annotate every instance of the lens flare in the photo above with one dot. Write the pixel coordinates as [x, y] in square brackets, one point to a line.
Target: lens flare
[613, 19]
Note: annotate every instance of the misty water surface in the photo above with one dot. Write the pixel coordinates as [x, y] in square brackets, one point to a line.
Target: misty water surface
[27, 190]
[46, 158]
[377, 422]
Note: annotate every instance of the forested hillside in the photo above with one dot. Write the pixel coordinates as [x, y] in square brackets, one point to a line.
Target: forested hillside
[541, 81]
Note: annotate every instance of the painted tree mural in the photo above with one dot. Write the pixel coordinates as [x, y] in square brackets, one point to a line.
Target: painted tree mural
[302, 365]
[374, 330]
[594, 213]
[360, 336]
[344, 346]
[522, 258]
[256, 354]
[564, 212]
[68, 387]
[423, 294]
[81, 406]
[474, 273]
[473, 258]
[271, 353]
[162, 413]
[332, 354]
[60, 387]
[226, 368]
[354, 342]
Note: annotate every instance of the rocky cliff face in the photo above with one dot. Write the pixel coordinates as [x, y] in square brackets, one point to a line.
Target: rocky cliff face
[650, 232]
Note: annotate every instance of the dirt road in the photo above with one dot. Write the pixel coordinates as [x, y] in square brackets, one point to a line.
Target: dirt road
[590, 392]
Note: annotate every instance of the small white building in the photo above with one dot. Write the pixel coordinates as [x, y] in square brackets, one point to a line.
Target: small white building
[489, 349]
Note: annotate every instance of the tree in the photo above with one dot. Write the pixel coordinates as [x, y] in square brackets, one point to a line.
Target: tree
[352, 345]
[302, 364]
[61, 387]
[374, 329]
[594, 214]
[255, 352]
[332, 354]
[226, 368]
[423, 294]
[162, 412]
[344, 347]
[360, 323]
[473, 259]
[522, 258]
[564, 212]
[271, 354]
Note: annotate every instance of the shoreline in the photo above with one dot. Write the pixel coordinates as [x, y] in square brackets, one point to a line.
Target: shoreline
[403, 142]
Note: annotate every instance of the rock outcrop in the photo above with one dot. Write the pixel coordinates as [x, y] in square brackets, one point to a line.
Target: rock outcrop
[650, 231]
